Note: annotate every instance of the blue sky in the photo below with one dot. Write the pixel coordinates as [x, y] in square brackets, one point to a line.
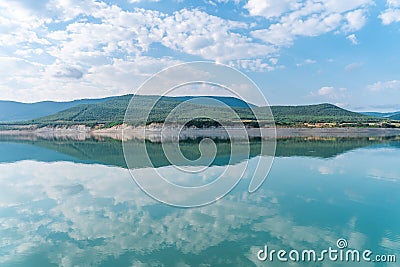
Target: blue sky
[298, 52]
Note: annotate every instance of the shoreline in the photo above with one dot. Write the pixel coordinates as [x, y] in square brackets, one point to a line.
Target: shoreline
[155, 134]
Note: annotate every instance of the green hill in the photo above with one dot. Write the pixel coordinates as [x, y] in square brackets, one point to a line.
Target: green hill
[105, 112]
[395, 117]
[322, 113]
[11, 111]
[380, 114]
[112, 112]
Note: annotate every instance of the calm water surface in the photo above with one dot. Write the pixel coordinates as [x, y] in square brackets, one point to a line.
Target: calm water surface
[73, 203]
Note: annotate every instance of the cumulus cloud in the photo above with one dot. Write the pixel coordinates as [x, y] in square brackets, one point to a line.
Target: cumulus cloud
[331, 93]
[270, 8]
[392, 13]
[307, 61]
[353, 39]
[355, 20]
[73, 45]
[254, 65]
[91, 41]
[307, 18]
[69, 72]
[138, 1]
[197, 33]
[353, 66]
[390, 16]
[380, 86]
[327, 90]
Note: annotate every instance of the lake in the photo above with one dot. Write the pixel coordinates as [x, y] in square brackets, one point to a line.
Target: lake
[74, 203]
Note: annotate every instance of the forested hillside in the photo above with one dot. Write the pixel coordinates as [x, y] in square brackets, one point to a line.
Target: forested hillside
[112, 112]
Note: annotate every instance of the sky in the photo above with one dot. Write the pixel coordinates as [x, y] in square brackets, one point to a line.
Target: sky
[298, 52]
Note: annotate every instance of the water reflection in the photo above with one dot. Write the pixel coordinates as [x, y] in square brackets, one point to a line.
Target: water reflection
[109, 151]
[59, 206]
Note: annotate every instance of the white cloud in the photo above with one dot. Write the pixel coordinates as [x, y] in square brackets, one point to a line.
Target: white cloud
[138, 1]
[309, 18]
[355, 20]
[331, 92]
[341, 6]
[353, 39]
[253, 65]
[392, 13]
[353, 66]
[393, 3]
[227, 1]
[327, 90]
[314, 25]
[22, 80]
[98, 38]
[306, 62]
[270, 8]
[380, 86]
[389, 16]
[17, 24]
[73, 44]
[197, 33]
[275, 35]
[60, 71]
[67, 10]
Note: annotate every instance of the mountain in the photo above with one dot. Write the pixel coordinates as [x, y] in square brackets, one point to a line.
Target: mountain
[16, 111]
[313, 110]
[322, 113]
[205, 100]
[382, 114]
[112, 112]
[395, 116]
[11, 111]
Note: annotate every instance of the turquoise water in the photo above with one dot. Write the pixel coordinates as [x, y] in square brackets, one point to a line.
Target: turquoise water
[73, 203]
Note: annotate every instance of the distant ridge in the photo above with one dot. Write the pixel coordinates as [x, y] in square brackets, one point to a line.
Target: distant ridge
[12, 111]
[16, 111]
[111, 111]
[204, 100]
[324, 109]
[395, 117]
[382, 114]
[318, 113]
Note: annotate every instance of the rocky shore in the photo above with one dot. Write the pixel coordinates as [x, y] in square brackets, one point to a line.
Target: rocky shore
[155, 132]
